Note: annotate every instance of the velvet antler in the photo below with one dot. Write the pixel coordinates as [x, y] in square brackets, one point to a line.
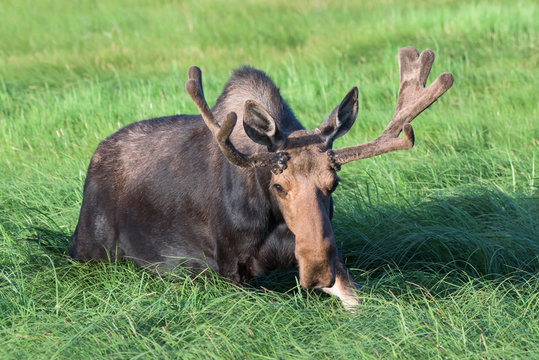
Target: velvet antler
[413, 98]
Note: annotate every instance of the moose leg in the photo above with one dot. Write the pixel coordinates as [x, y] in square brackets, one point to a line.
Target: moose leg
[344, 287]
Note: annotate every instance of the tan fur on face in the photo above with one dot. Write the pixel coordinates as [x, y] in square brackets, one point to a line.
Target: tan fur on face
[308, 181]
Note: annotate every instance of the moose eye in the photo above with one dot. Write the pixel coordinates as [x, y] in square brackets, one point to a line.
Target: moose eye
[280, 190]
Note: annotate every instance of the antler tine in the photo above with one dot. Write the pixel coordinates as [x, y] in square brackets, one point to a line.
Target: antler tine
[223, 139]
[221, 134]
[277, 161]
[195, 91]
[413, 98]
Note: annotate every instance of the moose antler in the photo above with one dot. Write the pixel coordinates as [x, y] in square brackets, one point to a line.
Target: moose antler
[277, 161]
[413, 98]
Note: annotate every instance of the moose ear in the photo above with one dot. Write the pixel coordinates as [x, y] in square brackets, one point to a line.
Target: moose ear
[341, 118]
[261, 127]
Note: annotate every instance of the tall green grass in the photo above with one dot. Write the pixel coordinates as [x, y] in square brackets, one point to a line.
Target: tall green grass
[442, 239]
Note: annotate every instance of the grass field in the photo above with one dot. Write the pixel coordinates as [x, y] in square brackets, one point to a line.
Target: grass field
[443, 239]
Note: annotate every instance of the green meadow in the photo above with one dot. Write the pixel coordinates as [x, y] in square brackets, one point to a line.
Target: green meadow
[442, 239]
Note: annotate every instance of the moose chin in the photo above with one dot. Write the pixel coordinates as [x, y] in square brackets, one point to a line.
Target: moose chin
[200, 191]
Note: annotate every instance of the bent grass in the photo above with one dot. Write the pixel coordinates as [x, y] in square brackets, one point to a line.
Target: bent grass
[442, 239]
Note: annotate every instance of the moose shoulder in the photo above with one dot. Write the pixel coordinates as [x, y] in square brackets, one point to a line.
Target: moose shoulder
[199, 191]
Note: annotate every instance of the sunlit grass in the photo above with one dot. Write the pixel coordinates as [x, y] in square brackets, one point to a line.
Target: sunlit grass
[442, 239]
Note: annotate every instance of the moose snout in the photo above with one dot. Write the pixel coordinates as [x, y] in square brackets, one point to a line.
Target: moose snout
[316, 266]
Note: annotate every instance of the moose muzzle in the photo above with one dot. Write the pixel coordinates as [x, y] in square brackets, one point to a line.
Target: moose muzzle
[316, 261]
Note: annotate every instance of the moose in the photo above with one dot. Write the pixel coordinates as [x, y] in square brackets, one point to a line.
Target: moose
[200, 192]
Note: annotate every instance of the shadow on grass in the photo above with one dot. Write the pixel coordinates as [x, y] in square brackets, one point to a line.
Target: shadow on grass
[54, 243]
[479, 234]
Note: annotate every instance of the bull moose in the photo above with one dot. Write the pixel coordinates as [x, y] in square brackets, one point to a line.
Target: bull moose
[199, 191]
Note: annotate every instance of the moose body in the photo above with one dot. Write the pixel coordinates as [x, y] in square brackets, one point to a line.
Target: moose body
[160, 192]
[198, 191]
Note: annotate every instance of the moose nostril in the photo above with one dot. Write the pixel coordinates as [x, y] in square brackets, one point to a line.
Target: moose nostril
[318, 283]
[325, 284]
[332, 282]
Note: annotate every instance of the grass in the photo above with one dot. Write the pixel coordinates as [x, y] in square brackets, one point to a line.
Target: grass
[443, 239]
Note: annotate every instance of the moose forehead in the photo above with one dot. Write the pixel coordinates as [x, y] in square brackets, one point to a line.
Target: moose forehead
[312, 159]
[308, 158]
